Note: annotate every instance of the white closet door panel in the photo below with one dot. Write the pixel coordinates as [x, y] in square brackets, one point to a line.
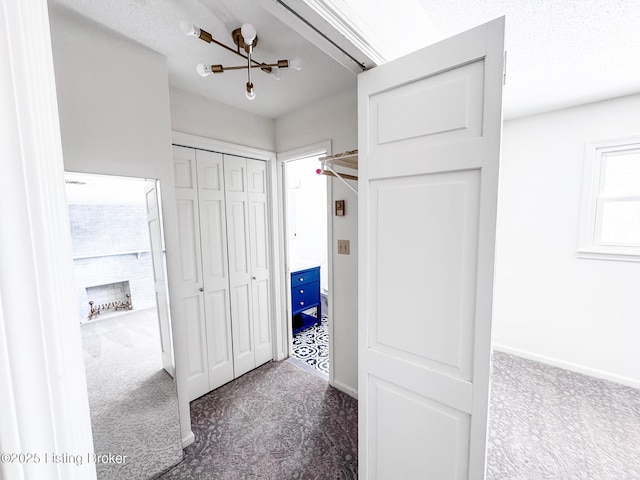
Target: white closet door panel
[184, 169]
[259, 238]
[262, 321]
[190, 283]
[260, 264]
[235, 177]
[235, 169]
[243, 350]
[197, 359]
[213, 236]
[190, 259]
[219, 340]
[238, 241]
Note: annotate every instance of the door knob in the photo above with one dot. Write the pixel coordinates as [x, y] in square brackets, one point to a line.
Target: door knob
[253, 278]
[201, 289]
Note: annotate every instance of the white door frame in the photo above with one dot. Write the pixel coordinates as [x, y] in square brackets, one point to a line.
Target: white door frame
[158, 260]
[320, 148]
[280, 348]
[43, 391]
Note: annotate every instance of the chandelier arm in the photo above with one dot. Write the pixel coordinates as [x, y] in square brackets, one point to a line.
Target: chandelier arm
[249, 67]
[262, 66]
[206, 37]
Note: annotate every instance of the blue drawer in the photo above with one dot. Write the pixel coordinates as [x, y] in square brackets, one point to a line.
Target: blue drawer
[305, 296]
[305, 276]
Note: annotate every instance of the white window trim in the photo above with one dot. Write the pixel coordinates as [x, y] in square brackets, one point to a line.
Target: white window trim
[589, 228]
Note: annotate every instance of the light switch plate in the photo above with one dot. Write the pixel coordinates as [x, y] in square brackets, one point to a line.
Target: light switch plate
[343, 247]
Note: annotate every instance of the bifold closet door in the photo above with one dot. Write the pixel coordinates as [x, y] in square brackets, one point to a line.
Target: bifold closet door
[204, 284]
[245, 186]
[213, 240]
[224, 286]
[189, 283]
[259, 241]
[235, 173]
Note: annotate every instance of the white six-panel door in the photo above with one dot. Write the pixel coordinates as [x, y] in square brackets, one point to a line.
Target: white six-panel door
[429, 142]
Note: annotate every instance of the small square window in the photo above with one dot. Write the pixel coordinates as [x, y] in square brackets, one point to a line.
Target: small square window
[610, 216]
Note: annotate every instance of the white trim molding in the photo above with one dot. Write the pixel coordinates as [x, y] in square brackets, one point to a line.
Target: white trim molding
[320, 148]
[573, 367]
[203, 143]
[43, 392]
[318, 25]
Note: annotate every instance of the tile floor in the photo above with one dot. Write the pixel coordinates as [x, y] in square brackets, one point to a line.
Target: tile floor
[311, 346]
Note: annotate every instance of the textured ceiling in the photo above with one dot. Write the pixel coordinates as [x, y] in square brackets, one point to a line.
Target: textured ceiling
[155, 24]
[560, 52]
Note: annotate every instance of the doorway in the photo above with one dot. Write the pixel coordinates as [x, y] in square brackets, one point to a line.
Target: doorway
[307, 263]
[118, 263]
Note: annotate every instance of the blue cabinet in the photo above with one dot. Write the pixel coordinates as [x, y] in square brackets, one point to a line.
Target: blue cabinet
[305, 294]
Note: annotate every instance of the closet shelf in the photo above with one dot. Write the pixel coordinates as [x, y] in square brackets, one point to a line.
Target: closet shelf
[348, 159]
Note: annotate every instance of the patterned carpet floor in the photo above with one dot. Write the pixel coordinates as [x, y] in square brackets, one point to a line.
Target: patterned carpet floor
[274, 423]
[132, 400]
[546, 423]
[311, 346]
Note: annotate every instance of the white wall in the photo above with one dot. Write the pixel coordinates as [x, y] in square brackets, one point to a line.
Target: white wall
[307, 217]
[550, 305]
[113, 100]
[337, 120]
[191, 113]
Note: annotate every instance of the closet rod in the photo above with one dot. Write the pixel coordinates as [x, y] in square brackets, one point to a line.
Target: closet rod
[329, 171]
[331, 174]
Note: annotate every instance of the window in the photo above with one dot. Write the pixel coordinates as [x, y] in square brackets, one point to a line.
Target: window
[610, 217]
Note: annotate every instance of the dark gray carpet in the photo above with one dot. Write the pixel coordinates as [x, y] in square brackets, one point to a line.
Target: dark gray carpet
[132, 400]
[277, 422]
[547, 423]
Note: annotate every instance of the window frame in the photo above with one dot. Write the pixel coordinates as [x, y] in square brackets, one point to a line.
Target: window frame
[590, 243]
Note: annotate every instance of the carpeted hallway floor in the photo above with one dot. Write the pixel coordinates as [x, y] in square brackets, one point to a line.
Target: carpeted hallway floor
[277, 422]
[280, 422]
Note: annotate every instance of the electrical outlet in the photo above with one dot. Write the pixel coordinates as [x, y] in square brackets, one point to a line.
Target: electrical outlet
[343, 247]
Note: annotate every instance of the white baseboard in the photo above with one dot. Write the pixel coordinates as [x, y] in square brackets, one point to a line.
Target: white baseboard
[574, 367]
[343, 388]
[188, 440]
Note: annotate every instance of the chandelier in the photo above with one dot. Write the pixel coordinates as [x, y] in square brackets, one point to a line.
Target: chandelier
[245, 39]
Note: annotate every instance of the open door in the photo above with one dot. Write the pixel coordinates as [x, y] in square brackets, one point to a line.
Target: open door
[154, 220]
[429, 141]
